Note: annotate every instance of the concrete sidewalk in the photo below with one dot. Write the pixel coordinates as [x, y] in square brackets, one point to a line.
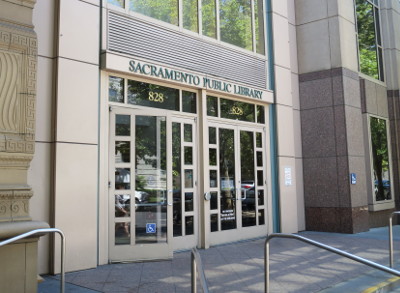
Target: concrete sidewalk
[239, 267]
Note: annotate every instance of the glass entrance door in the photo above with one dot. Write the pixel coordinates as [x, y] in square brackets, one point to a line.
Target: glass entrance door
[237, 182]
[140, 196]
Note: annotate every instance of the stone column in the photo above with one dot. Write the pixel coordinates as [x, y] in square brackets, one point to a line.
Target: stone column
[331, 117]
[18, 59]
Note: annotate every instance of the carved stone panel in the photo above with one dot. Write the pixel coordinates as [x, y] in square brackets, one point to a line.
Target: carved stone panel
[18, 61]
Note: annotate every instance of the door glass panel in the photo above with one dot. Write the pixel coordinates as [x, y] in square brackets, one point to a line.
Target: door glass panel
[227, 173]
[122, 178]
[122, 233]
[122, 152]
[259, 139]
[188, 155]
[261, 217]
[213, 157]
[189, 201]
[247, 176]
[260, 178]
[213, 178]
[212, 135]
[151, 180]
[122, 205]
[188, 133]
[176, 178]
[260, 194]
[259, 159]
[189, 225]
[122, 125]
[214, 222]
[214, 201]
[188, 178]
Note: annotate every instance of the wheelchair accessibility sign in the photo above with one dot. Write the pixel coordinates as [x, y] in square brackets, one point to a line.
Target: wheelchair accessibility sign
[151, 228]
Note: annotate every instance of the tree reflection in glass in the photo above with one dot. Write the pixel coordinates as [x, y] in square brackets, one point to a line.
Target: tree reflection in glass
[380, 155]
[165, 10]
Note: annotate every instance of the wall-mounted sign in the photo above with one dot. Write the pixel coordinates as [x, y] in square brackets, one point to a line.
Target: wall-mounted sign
[139, 67]
[288, 176]
[353, 178]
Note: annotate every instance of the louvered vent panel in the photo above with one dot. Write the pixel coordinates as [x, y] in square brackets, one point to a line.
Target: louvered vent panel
[130, 36]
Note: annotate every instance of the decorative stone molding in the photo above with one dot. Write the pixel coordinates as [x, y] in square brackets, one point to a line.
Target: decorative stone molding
[14, 205]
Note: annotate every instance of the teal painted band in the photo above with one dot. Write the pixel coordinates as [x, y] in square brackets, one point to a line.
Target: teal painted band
[273, 124]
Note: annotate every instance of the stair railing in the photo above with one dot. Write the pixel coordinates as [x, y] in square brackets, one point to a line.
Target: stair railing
[197, 268]
[44, 231]
[322, 246]
[391, 237]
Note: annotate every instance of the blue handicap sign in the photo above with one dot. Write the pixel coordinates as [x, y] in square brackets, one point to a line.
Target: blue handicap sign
[150, 228]
[353, 178]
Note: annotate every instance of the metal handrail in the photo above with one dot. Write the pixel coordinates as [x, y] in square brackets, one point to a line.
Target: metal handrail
[323, 246]
[42, 231]
[197, 267]
[391, 237]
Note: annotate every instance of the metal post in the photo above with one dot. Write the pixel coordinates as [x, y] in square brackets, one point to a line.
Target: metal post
[194, 274]
[391, 237]
[266, 264]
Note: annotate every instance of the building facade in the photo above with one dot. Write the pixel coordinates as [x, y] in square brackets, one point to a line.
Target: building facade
[166, 125]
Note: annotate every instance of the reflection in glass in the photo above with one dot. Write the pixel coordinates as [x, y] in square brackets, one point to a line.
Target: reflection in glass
[190, 15]
[188, 133]
[209, 18]
[247, 175]
[188, 178]
[214, 200]
[212, 135]
[188, 201]
[119, 3]
[151, 95]
[260, 178]
[212, 106]
[188, 155]
[235, 23]
[116, 89]
[213, 157]
[176, 178]
[123, 233]
[380, 155]
[214, 222]
[165, 10]
[227, 171]
[151, 179]
[260, 197]
[367, 38]
[259, 26]
[259, 159]
[122, 205]
[122, 125]
[237, 110]
[122, 178]
[189, 102]
[213, 178]
[122, 152]
[189, 225]
[261, 217]
[260, 114]
[259, 139]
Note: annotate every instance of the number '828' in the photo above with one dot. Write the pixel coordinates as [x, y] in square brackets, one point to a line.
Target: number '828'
[156, 97]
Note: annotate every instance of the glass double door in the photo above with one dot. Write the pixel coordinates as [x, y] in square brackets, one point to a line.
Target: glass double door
[140, 186]
[237, 182]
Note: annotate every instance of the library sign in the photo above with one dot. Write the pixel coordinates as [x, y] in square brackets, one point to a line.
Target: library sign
[190, 79]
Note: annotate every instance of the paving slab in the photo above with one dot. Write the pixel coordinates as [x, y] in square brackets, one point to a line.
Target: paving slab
[239, 267]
